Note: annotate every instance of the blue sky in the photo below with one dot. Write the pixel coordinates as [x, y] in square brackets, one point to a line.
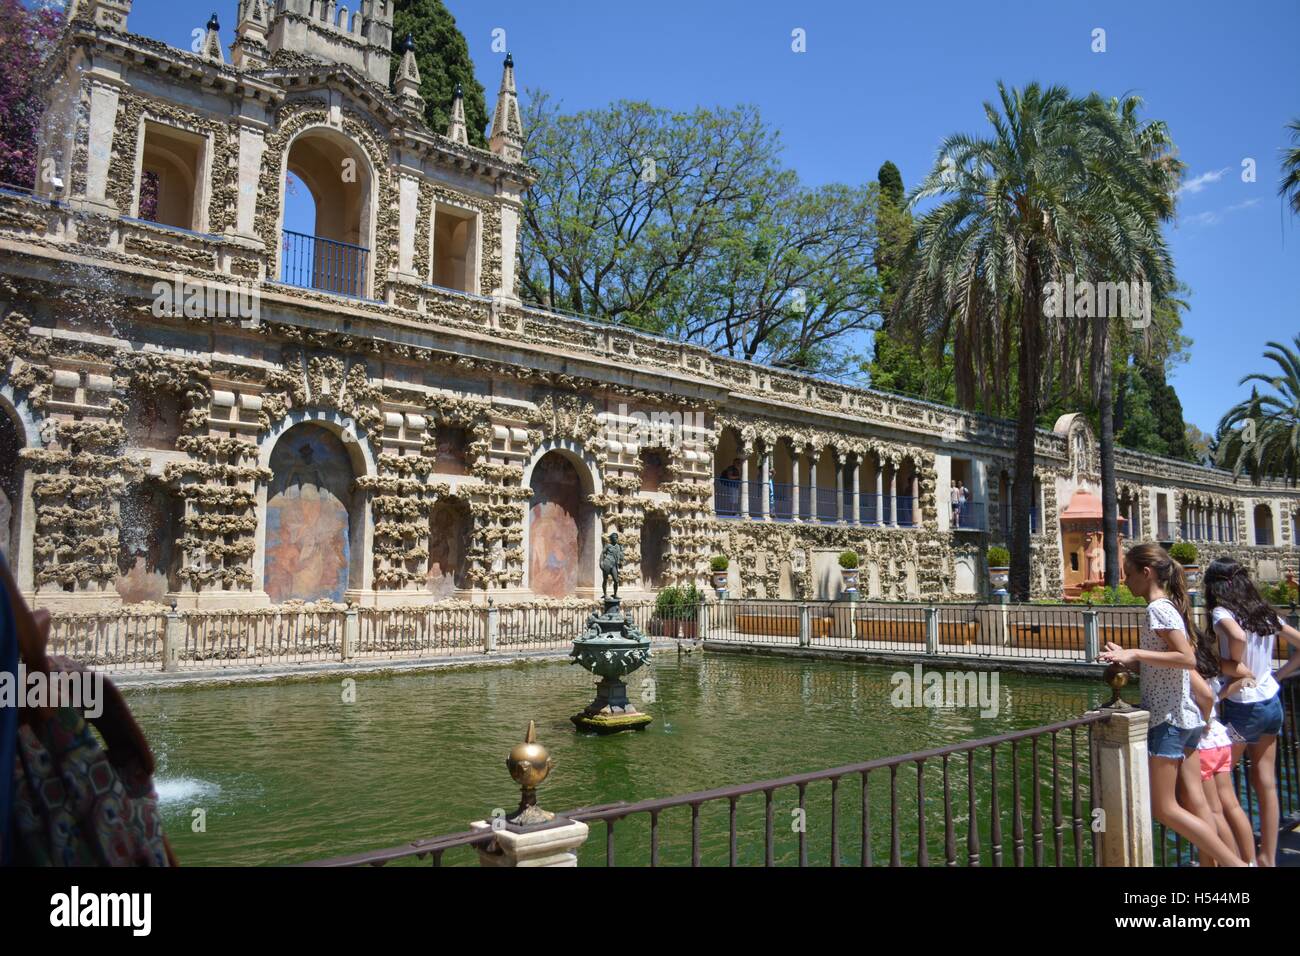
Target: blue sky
[889, 80]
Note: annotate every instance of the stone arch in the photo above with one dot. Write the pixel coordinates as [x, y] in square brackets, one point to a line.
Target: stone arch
[341, 254]
[451, 526]
[314, 537]
[1263, 525]
[562, 532]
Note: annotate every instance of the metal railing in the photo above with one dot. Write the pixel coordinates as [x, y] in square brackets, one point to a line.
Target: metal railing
[314, 262]
[1044, 633]
[1172, 850]
[112, 642]
[972, 516]
[1017, 799]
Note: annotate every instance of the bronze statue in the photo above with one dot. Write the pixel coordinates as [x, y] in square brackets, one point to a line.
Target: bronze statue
[611, 559]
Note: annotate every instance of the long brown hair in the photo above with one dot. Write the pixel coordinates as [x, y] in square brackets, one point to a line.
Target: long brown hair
[1169, 575]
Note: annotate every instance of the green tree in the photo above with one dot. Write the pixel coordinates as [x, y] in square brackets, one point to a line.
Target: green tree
[1261, 436]
[1289, 189]
[443, 58]
[686, 224]
[1057, 186]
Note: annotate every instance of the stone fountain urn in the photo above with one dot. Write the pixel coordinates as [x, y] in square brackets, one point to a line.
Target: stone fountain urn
[611, 647]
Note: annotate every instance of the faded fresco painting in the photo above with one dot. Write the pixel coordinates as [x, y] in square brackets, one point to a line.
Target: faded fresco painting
[448, 539]
[308, 524]
[557, 529]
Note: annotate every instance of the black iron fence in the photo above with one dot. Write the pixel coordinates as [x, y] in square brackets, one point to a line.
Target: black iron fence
[314, 262]
[1018, 799]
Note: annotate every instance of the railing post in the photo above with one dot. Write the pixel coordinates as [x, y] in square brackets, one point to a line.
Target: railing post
[1004, 616]
[173, 638]
[932, 630]
[492, 629]
[1091, 642]
[351, 632]
[1121, 789]
[805, 625]
[702, 620]
[556, 845]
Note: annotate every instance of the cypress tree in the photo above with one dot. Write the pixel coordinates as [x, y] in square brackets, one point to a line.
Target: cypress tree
[443, 58]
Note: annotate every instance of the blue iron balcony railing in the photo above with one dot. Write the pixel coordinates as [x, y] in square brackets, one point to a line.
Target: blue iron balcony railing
[314, 262]
[971, 516]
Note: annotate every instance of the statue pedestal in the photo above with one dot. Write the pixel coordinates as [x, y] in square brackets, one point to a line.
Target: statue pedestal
[611, 648]
[545, 846]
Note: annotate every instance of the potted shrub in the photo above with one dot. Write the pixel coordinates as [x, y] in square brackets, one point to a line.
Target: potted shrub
[1184, 552]
[849, 568]
[688, 609]
[999, 568]
[665, 619]
[719, 565]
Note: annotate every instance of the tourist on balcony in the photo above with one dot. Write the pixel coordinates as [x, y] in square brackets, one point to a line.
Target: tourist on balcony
[954, 497]
[1166, 659]
[1246, 628]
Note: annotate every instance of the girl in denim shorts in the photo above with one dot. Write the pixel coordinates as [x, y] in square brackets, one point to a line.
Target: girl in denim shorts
[1246, 629]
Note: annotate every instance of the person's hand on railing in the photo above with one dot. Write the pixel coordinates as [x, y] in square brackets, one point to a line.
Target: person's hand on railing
[1114, 654]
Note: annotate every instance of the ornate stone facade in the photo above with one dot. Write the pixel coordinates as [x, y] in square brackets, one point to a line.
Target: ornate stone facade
[160, 450]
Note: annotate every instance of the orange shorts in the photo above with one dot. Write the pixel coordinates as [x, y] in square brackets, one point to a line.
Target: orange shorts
[1215, 760]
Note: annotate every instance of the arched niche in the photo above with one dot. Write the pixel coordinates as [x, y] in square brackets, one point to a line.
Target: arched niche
[314, 518]
[561, 540]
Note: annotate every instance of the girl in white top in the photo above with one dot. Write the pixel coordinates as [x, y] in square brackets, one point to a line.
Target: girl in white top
[1247, 629]
[1166, 659]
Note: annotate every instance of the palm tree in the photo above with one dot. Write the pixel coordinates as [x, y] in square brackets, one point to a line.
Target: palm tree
[1142, 177]
[1261, 435]
[1290, 186]
[1060, 186]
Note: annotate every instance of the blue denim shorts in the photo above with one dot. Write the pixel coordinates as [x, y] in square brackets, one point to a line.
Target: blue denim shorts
[1254, 720]
[1166, 740]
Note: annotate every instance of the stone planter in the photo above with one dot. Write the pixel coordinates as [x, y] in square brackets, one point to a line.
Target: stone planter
[850, 579]
[1193, 572]
[720, 581]
[998, 578]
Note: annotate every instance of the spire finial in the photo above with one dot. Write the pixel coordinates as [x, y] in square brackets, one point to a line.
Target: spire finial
[212, 22]
[408, 45]
[507, 139]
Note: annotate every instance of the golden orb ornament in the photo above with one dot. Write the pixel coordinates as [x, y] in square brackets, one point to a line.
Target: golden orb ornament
[529, 764]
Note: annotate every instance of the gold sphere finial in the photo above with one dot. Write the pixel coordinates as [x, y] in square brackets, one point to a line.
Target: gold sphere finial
[1116, 676]
[529, 764]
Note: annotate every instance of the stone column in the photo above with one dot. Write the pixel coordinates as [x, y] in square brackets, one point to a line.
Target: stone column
[103, 121]
[839, 487]
[916, 495]
[765, 470]
[813, 504]
[857, 490]
[796, 457]
[893, 495]
[880, 490]
[744, 484]
[1122, 789]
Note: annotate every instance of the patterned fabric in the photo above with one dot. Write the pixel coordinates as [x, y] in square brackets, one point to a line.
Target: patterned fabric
[1166, 691]
[74, 808]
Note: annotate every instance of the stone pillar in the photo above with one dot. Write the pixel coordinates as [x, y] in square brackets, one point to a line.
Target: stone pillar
[880, 490]
[351, 633]
[492, 628]
[916, 495]
[765, 471]
[796, 459]
[893, 496]
[839, 488]
[173, 640]
[553, 846]
[805, 626]
[744, 485]
[103, 121]
[1091, 643]
[814, 509]
[857, 490]
[932, 630]
[1122, 790]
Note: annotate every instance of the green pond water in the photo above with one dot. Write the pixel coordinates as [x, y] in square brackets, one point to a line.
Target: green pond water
[291, 772]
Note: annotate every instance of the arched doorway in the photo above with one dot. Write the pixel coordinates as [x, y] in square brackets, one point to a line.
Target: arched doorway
[561, 527]
[313, 520]
[449, 528]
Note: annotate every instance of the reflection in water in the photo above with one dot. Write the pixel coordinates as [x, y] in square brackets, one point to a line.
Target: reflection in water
[290, 772]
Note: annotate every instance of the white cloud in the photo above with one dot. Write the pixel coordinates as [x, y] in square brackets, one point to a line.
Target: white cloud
[1197, 183]
[1202, 219]
[1243, 205]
